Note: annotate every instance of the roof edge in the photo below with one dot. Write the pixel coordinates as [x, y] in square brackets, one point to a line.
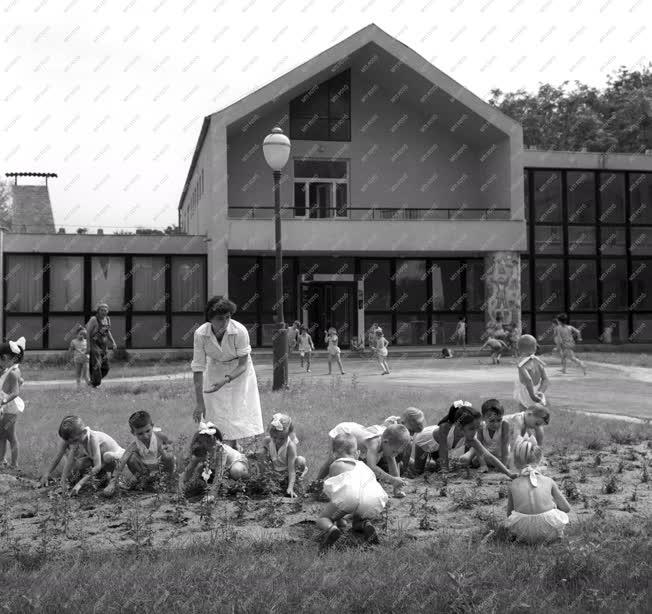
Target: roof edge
[195, 156]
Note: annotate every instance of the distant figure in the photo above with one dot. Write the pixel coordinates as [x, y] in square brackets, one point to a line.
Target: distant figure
[371, 335]
[334, 352]
[98, 329]
[380, 349]
[607, 335]
[460, 332]
[568, 336]
[497, 347]
[79, 355]
[306, 347]
[532, 380]
[293, 336]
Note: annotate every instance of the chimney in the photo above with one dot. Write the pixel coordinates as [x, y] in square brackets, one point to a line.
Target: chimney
[100, 231]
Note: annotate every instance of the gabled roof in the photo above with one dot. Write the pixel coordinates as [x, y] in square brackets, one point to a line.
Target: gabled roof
[31, 210]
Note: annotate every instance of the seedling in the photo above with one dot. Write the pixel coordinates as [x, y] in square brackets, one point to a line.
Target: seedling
[620, 467]
[595, 444]
[610, 484]
[582, 477]
[645, 476]
[564, 467]
[570, 489]
[597, 461]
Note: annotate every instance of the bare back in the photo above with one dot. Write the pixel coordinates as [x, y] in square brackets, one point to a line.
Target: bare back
[535, 370]
[528, 499]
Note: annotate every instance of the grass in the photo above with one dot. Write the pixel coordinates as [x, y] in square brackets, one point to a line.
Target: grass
[627, 359]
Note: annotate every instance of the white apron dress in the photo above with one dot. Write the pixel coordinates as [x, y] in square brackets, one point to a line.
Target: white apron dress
[17, 406]
[520, 389]
[234, 408]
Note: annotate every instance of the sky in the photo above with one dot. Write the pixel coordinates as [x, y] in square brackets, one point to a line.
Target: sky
[110, 94]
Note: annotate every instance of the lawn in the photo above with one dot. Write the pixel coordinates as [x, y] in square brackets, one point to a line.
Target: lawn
[248, 554]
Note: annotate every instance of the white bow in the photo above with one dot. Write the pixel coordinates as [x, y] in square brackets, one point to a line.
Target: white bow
[461, 403]
[18, 345]
[533, 473]
[207, 428]
[277, 423]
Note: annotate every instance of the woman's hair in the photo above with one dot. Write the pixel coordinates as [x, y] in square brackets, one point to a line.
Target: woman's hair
[413, 416]
[202, 443]
[139, 419]
[492, 405]
[461, 414]
[527, 452]
[540, 411]
[5, 350]
[344, 444]
[219, 306]
[396, 434]
[70, 426]
[282, 420]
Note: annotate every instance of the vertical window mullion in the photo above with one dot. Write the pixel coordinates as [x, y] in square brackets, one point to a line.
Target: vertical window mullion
[598, 253]
[168, 299]
[45, 306]
[429, 294]
[392, 296]
[88, 287]
[628, 257]
[129, 295]
[564, 231]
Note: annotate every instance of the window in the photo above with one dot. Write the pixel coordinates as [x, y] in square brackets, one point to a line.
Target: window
[475, 285]
[613, 241]
[269, 288]
[581, 240]
[411, 285]
[412, 330]
[62, 330]
[188, 277]
[547, 197]
[614, 284]
[642, 329]
[149, 331]
[108, 282]
[320, 188]
[580, 197]
[548, 239]
[447, 285]
[66, 283]
[148, 276]
[525, 284]
[377, 292]
[640, 189]
[243, 286]
[30, 327]
[641, 244]
[183, 329]
[323, 113]
[641, 285]
[611, 192]
[582, 285]
[549, 285]
[24, 284]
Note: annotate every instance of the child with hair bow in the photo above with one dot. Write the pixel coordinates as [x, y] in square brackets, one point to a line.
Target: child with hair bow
[11, 355]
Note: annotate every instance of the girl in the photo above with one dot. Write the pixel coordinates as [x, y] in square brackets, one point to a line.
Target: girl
[210, 457]
[351, 488]
[536, 509]
[79, 355]
[532, 420]
[11, 354]
[494, 433]
[381, 351]
[457, 431]
[412, 419]
[306, 347]
[280, 447]
[460, 332]
[532, 380]
[568, 335]
[98, 329]
[333, 350]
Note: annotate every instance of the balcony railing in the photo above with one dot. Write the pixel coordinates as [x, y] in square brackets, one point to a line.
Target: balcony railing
[370, 213]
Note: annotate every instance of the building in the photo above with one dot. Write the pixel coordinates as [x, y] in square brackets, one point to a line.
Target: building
[410, 202]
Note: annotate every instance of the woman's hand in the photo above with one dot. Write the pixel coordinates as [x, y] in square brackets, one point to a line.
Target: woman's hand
[214, 388]
[199, 412]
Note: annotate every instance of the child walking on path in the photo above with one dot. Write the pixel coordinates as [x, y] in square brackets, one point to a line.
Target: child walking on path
[334, 352]
[80, 356]
[11, 354]
[568, 335]
[306, 347]
[381, 351]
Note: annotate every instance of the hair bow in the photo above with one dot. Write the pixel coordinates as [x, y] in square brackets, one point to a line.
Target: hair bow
[17, 346]
[277, 422]
[461, 403]
[533, 473]
[207, 428]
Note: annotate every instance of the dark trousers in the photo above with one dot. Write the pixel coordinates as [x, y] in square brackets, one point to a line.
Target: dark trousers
[99, 364]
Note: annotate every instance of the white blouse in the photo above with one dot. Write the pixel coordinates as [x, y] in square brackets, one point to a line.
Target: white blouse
[235, 344]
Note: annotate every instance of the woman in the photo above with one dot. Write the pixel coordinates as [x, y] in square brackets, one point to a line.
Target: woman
[222, 356]
[99, 334]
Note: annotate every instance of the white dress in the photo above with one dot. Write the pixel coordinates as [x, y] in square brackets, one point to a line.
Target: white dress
[427, 442]
[234, 408]
[17, 406]
[520, 389]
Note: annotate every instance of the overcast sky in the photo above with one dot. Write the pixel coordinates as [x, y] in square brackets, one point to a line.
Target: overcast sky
[110, 94]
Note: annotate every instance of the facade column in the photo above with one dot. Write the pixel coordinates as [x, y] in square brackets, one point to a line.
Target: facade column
[502, 274]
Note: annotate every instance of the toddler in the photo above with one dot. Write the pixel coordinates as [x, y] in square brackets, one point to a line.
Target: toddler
[80, 356]
[280, 447]
[497, 347]
[11, 354]
[460, 332]
[381, 351]
[353, 490]
[536, 509]
[532, 420]
[494, 433]
[334, 352]
[148, 456]
[84, 450]
[568, 335]
[210, 457]
[532, 380]
[306, 347]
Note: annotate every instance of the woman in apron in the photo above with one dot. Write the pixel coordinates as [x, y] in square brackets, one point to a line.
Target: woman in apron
[223, 373]
[99, 334]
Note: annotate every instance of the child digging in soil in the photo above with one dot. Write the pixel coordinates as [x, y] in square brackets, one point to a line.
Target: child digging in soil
[148, 456]
[280, 448]
[352, 489]
[209, 457]
[531, 421]
[11, 354]
[532, 381]
[536, 509]
[494, 434]
[88, 454]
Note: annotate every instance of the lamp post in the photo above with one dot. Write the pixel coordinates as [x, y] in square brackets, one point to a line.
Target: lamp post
[276, 149]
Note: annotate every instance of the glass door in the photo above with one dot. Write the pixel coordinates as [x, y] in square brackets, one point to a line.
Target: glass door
[334, 305]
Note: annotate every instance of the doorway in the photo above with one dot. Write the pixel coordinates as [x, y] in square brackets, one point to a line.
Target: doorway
[331, 304]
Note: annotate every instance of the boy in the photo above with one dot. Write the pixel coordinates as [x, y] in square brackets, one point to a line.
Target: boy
[532, 381]
[497, 347]
[146, 456]
[494, 434]
[568, 335]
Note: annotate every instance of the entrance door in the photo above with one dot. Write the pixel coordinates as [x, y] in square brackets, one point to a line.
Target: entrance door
[334, 305]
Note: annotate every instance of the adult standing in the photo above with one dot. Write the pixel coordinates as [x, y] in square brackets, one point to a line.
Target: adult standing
[99, 334]
[293, 336]
[225, 381]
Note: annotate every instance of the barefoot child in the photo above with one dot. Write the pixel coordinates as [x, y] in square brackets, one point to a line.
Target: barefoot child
[334, 352]
[381, 352]
[532, 380]
[11, 354]
[88, 454]
[209, 457]
[536, 509]
[306, 347]
[80, 356]
[280, 447]
[494, 433]
[352, 488]
[531, 421]
[148, 456]
[568, 335]
[460, 332]
[375, 444]
[497, 347]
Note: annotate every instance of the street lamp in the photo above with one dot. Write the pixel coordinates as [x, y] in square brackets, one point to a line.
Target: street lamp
[276, 149]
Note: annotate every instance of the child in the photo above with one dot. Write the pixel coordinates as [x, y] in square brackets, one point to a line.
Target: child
[280, 447]
[210, 457]
[11, 354]
[334, 351]
[607, 335]
[458, 431]
[555, 336]
[446, 353]
[79, 355]
[147, 456]
[497, 346]
[352, 488]
[460, 332]
[532, 421]
[375, 444]
[536, 509]
[568, 335]
[306, 347]
[381, 351]
[412, 419]
[513, 339]
[84, 449]
[532, 380]
[494, 433]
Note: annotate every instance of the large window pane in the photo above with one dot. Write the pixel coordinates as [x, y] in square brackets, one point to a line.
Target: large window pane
[24, 284]
[548, 239]
[588, 327]
[411, 285]
[525, 283]
[300, 199]
[148, 283]
[614, 284]
[547, 197]
[269, 288]
[119, 329]
[612, 198]
[318, 265]
[581, 240]
[412, 330]
[66, 283]
[243, 289]
[252, 325]
[613, 241]
[188, 283]
[476, 328]
[642, 329]
[640, 189]
[641, 244]
[475, 283]
[149, 332]
[549, 284]
[619, 327]
[443, 329]
[580, 197]
[30, 327]
[376, 276]
[641, 285]
[582, 286]
[62, 330]
[183, 329]
[446, 285]
[320, 169]
[108, 281]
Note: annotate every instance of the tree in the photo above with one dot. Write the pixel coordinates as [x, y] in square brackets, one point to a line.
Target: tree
[148, 231]
[82, 231]
[6, 205]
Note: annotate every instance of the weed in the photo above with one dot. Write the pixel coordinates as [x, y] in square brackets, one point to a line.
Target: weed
[582, 476]
[620, 467]
[272, 514]
[564, 467]
[570, 489]
[466, 499]
[631, 455]
[597, 461]
[503, 491]
[624, 437]
[634, 495]
[595, 444]
[645, 476]
[614, 449]
[580, 457]
[610, 484]
[425, 522]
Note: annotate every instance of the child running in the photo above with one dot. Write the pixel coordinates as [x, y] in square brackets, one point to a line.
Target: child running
[380, 349]
[568, 335]
[532, 380]
[537, 511]
[352, 489]
[148, 456]
[494, 433]
[80, 356]
[280, 447]
[334, 352]
[11, 354]
[306, 347]
[88, 454]
[209, 457]
[497, 347]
